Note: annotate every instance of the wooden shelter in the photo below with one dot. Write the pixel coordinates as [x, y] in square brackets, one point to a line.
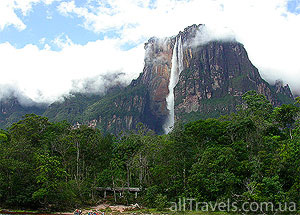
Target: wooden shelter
[119, 190]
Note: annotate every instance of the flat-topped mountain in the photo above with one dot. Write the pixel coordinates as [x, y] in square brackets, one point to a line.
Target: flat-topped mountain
[186, 77]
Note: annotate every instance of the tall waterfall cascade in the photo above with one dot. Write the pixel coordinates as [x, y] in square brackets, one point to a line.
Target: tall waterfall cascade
[176, 69]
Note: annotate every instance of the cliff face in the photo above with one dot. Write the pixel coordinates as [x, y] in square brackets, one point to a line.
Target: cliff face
[155, 78]
[214, 77]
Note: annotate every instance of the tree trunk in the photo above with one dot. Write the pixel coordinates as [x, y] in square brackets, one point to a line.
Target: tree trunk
[114, 188]
[77, 162]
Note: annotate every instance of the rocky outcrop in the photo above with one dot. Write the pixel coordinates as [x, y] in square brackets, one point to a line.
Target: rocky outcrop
[215, 75]
[155, 77]
[283, 89]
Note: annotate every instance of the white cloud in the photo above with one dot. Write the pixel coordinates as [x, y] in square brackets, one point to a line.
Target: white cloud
[44, 75]
[42, 40]
[212, 33]
[9, 16]
[66, 7]
[26, 5]
[62, 41]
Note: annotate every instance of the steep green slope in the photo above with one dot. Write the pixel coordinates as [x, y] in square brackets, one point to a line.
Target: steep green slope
[12, 111]
[71, 108]
[119, 111]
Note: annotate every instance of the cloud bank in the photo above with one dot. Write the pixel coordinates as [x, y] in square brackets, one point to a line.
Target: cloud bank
[269, 31]
[45, 75]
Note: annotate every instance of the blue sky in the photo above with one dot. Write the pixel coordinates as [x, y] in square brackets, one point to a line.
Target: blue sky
[68, 42]
[44, 21]
[294, 6]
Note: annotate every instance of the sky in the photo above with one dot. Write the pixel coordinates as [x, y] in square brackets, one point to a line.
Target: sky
[51, 47]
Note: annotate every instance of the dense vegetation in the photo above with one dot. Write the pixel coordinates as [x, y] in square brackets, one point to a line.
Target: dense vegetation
[252, 155]
[71, 108]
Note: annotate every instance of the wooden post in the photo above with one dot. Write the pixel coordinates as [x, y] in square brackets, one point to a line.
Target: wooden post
[104, 193]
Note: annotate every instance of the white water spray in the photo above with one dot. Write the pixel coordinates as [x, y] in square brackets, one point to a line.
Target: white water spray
[177, 67]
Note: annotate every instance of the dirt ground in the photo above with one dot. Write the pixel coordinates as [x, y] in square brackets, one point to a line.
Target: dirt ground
[111, 209]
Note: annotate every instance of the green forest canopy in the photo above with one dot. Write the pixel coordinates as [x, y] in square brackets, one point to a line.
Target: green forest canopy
[251, 155]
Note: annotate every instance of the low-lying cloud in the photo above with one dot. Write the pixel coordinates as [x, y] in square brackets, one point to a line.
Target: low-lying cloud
[99, 84]
[8, 91]
[206, 34]
[45, 75]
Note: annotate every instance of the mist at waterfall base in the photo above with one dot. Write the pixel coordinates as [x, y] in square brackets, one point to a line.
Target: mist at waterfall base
[176, 69]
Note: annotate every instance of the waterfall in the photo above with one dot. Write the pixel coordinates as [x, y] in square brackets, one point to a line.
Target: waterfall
[177, 67]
